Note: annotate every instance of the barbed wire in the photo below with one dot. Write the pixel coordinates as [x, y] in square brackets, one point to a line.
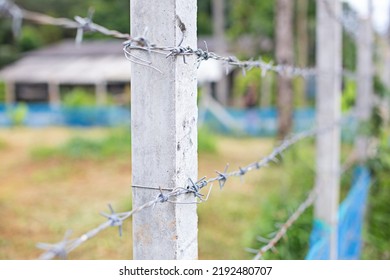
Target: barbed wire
[166, 195]
[283, 228]
[143, 44]
[65, 246]
[270, 244]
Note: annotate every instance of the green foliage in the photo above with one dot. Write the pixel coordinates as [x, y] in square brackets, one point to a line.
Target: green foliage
[243, 82]
[3, 144]
[112, 14]
[349, 45]
[297, 177]
[377, 238]
[205, 25]
[8, 54]
[251, 17]
[79, 98]
[349, 53]
[298, 180]
[377, 244]
[116, 143]
[18, 114]
[296, 243]
[380, 88]
[349, 95]
[207, 141]
[2, 92]
[30, 39]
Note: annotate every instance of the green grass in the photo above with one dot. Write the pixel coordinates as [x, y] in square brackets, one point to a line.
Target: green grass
[377, 233]
[3, 144]
[117, 142]
[297, 178]
[207, 141]
[229, 221]
[241, 216]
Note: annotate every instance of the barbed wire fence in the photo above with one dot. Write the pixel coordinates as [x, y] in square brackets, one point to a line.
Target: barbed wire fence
[116, 219]
[65, 246]
[86, 24]
[166, 195]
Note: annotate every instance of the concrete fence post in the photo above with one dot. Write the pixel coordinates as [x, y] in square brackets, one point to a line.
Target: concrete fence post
[365, 98]
[328, 112]
[164, 130]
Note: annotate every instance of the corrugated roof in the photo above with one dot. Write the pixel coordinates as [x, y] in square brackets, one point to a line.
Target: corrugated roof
[65, 63]
[87, 48]
[90, 63]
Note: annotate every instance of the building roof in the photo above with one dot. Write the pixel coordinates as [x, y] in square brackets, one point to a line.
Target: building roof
[92, 62]
[65, 63]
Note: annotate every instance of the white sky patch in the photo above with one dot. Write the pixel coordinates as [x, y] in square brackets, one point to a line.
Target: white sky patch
[381, 12]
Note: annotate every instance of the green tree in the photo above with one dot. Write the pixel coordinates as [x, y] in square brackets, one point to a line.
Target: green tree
[251, 17]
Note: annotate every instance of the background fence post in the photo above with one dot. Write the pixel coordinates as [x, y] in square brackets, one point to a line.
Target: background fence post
[365, 97]
[164, 130]
[10, 96]
[284, 50]
[222, 86]
[328, 114]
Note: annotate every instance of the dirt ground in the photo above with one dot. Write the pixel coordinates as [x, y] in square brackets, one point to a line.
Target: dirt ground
[41, 199]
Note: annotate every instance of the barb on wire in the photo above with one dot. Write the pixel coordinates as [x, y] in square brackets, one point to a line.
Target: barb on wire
[85, 25]
[10, 9]
[116, 219]
[59, 249]
[270, 244]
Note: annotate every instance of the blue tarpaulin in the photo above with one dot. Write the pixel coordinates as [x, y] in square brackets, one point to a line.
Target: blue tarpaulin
[250, 122]
[351, 218]
[40, 115]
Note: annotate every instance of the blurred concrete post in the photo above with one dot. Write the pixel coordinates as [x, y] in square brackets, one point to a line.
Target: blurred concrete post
[365, 97]
[328, 111]
[101, 93]
[164, 130]
[222, 86]
[266, 90]
[54, 94]
[10, 92]
[302, 48]
[284, 55]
